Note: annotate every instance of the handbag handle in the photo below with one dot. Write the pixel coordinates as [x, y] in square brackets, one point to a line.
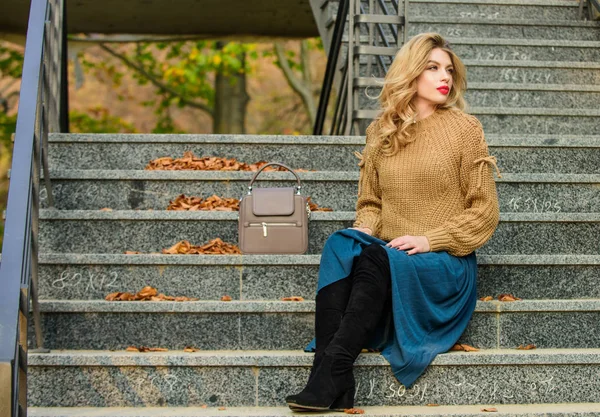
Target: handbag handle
[298, 186]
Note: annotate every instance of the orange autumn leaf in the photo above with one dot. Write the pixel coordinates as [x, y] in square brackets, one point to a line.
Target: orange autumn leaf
[132, 252]
[463, 347]
[433, 405]
[145, 294]
[190, 349]
[487, 298]
[490, 409]
[354, 411]
[222, 408]
[145, 349]
[106, 209]
[132, 349]
[293, 298]
[226, 298]
[214, 247]
[507, 297]
[527, 347]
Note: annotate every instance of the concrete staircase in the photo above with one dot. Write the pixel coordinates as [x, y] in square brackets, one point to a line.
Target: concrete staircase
[534, 78]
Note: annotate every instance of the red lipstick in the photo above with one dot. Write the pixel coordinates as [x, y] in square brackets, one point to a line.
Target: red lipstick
[444, 89]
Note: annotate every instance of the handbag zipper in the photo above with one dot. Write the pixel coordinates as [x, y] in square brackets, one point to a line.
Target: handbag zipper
[264, 226]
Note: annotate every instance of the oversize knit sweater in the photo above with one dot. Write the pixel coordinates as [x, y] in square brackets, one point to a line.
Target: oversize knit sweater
[440, 185]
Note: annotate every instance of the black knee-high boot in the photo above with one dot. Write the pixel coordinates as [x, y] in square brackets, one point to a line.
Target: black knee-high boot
[332, 385]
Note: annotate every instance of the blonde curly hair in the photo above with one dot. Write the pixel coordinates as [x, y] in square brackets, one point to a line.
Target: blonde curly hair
[400, 88]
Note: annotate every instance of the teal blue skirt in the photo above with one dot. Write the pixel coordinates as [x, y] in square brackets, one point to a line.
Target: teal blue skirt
[433, 298]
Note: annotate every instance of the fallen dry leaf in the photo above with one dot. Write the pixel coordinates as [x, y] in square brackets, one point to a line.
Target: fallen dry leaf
[226, 298]
[293, 298]
[487, 298]
[433, 405]
[214, 202]
[106, 209]
[527, 347]
[464, 347]
[145, 294]
[490, 409]
[214, 247]
[190, 349]
[507, 297]
[204, 406]
[132, 252]
[222, 408]
[145, 349]
[354, 411]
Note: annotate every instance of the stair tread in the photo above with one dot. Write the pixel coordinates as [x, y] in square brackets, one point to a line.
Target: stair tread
[277, 306]
[290, 358]
[160, 259]
[546, 410]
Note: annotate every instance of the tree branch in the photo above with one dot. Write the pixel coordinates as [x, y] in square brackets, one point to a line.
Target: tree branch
[302, 90]
[156, 82]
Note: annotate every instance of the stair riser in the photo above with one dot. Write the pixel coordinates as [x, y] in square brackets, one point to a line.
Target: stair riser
[118, 236]
[493, 11]
[272, 282]
[281, 331]
[340, 196]
[102, 386]
[526, 76]
[508, 99]
[135, 156]
[460, 30]
[538, 124]
[510, 74]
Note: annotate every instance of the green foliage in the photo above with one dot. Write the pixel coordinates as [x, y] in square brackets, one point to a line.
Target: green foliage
[11, 61]
[98, 121]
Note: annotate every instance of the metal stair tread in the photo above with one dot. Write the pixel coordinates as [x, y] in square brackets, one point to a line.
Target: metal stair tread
[500, 21]
[300, 358]
[517, 111]
[504, 410]
[504, 2]
[277, 306]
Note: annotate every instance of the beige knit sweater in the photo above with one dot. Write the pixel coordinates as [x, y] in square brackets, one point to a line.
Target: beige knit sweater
[440, 185]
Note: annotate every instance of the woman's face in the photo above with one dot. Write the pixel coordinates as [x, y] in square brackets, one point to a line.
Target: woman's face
[435, 82]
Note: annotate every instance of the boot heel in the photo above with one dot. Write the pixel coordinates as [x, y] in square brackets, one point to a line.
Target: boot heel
[344, 401]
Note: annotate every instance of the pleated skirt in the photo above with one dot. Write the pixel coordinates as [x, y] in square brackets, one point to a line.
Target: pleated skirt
[433, 298]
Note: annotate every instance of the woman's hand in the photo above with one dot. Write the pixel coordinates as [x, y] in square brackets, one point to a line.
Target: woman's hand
[410, 244]
[363, 229]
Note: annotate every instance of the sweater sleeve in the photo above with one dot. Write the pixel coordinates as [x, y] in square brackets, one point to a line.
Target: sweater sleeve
[368, 204]
[469, 230]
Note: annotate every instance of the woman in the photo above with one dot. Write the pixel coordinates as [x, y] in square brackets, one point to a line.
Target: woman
[426, 200]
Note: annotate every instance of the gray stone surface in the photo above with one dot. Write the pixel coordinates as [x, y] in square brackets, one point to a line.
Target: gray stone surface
[505, 410]
[150, 232]
[543, 191]
[524, 377]
[505, 28]
[289, 325]
[516, 72]
[199, 278]
[481, 10]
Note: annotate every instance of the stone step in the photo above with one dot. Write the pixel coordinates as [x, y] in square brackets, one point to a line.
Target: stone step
[503, 95]
[499, 49]
[473, 27]
[276, 325]
[250, 379]
[516, 153]
[503, 410]
[271, 277]
[533, 72]
[81, 231]
[494, 10]
[123, 190]
[539, 121]
[509, 68]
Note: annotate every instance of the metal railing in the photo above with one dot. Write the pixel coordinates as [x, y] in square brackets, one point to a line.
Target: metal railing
[373, 25]
[43, 108]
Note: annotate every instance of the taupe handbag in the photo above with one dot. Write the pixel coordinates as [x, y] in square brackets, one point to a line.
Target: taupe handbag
[273, 220]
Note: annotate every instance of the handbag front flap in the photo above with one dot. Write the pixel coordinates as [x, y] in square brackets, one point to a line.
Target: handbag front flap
[273, 201]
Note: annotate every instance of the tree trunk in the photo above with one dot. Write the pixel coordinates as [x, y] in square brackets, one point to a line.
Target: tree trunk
[231, 101]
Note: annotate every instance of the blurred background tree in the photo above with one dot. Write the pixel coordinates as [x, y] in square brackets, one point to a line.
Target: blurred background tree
[194, 86]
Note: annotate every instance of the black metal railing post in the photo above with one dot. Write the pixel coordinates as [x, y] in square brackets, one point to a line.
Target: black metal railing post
[332, 61]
